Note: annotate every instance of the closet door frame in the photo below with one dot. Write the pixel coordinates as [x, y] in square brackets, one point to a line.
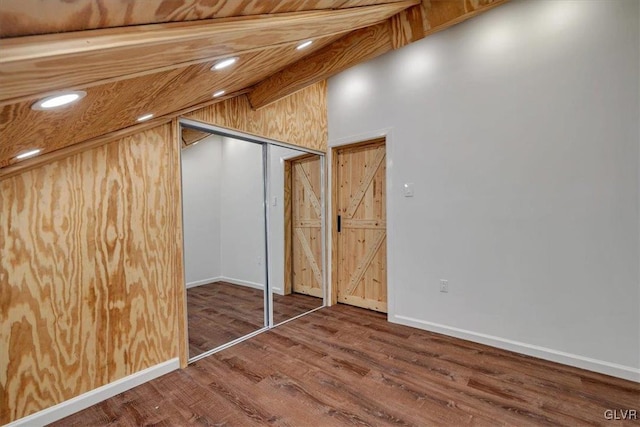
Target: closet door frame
[268, 300]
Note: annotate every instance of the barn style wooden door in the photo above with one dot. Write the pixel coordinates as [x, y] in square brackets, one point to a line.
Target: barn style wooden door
[305, 230]
[360, 233]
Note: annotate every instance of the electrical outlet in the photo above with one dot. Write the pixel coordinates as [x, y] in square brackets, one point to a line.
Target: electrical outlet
[444, 285]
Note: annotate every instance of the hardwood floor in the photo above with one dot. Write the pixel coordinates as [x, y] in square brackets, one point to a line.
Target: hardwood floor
[348, 366]
[221, 312]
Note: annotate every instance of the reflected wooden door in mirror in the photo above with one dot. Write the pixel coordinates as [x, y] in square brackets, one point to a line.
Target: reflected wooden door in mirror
[298, 177]
[306, 215]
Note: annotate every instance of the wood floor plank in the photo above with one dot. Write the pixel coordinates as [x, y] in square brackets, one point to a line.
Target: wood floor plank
[348, 366]
[400, 370]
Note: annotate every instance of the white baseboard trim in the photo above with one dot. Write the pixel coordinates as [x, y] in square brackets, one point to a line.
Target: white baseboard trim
[204, 282]
[225, 279]
[78, 403]
[595, 365]
[242, 282]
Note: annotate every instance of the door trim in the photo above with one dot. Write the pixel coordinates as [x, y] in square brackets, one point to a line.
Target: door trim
[347, 143]
[388, 134]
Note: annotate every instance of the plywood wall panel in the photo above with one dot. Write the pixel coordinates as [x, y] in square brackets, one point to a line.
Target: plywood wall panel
[299, 119]
[89, 271]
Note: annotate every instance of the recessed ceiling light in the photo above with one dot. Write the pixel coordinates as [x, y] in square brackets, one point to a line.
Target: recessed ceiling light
[304, 44]
[145, 117]
[224, 63]
[28, 154]
[218, 93]
[58, 100]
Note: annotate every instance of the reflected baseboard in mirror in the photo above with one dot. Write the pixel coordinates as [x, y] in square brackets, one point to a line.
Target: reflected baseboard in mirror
[221, 312]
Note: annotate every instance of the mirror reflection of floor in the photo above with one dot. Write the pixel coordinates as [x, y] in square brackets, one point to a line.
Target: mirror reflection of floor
[221, 312]
[286, 307]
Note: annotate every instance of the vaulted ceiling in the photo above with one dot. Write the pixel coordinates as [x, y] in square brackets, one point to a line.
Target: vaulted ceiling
[134, 57]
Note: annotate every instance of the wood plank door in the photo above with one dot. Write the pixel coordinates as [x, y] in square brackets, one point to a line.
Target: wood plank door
[305, 232]
[360, 205]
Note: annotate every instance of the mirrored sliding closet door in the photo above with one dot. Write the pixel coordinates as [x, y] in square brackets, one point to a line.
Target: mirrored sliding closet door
[253, 214]
[224, 238]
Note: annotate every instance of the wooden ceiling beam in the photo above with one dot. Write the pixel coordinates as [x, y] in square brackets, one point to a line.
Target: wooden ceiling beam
[192, 136]
[442, 14]
[31, 17]
[33, 65]
[365, 44]
[407, 27]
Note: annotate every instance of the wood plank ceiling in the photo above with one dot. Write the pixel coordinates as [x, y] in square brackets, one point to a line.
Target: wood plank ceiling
[155, 56]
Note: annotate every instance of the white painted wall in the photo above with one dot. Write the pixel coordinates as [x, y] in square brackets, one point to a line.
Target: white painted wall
[242, 215]
[201, 175]
[520, 131]
[222, 181]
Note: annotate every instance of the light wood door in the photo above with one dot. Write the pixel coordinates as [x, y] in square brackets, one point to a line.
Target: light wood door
[306, 226]
[360, 200]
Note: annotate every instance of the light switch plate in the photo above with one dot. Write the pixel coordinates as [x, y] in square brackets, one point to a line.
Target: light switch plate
[444, 285]
[407, 189]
